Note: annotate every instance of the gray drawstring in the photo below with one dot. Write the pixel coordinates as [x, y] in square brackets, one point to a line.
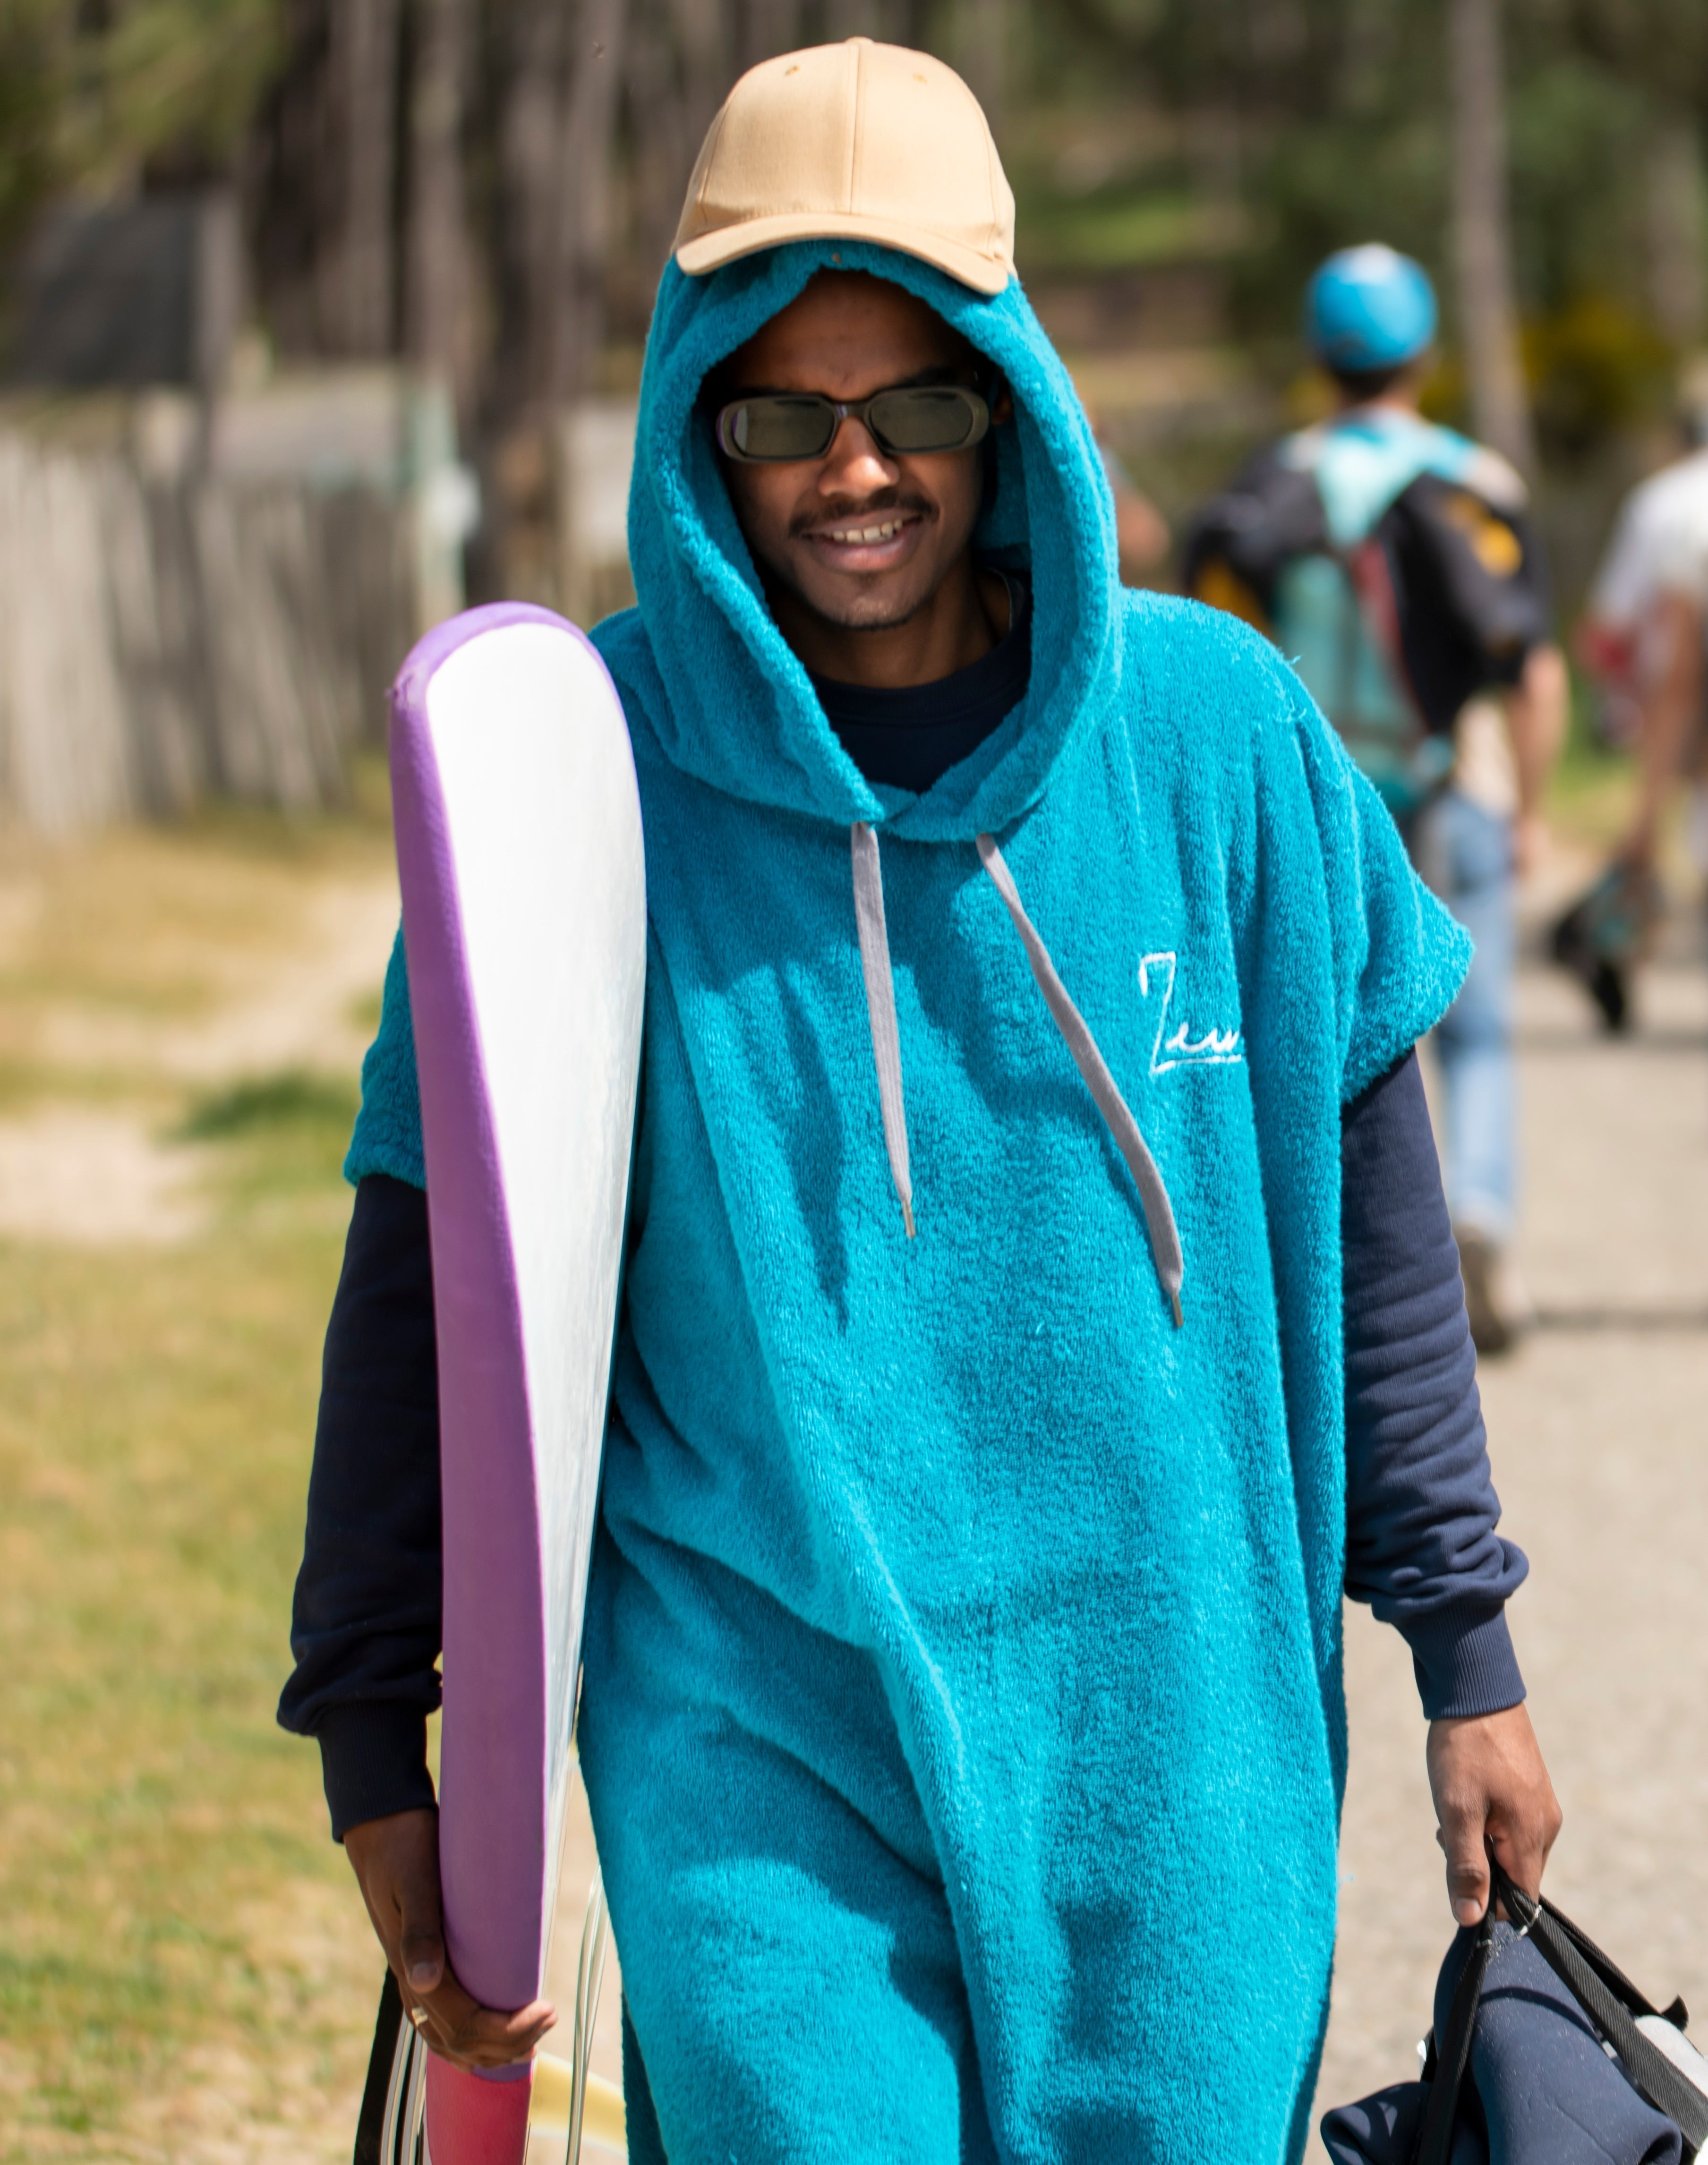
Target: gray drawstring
[886, 1048]
[880, 1010]
[1159, 1211]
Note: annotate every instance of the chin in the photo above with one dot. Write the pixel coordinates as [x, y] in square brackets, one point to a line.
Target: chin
[867, 612]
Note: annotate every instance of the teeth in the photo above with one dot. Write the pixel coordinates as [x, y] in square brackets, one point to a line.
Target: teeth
[883, 533]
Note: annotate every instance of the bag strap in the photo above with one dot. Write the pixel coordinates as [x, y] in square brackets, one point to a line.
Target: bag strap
[1616, 1982]
[1566, 1952]
[388, 2131]
[1452, 2053]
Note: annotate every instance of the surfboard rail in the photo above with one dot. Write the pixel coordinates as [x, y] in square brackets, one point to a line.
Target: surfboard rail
[522, 867]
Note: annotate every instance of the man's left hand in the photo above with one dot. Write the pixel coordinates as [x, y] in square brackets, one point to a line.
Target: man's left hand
[1491, 1791]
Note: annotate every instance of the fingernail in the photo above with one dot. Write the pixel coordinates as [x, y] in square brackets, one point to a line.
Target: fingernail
[423, 1975]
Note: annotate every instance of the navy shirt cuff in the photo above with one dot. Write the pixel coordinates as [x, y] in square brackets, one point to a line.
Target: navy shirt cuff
[373, 1761]
[1464, 1662]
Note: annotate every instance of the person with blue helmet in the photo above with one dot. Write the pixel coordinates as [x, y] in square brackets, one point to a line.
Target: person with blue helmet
[1401, 581]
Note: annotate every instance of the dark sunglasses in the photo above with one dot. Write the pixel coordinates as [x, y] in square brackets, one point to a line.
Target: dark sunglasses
[777, 425]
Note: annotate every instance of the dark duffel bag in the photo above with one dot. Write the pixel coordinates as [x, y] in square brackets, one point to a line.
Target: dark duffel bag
[1568, 2063]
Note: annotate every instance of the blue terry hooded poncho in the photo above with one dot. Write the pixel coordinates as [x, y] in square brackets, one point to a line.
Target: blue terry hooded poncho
[963, 1716]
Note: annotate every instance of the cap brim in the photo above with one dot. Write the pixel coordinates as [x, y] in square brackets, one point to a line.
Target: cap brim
[711, 251]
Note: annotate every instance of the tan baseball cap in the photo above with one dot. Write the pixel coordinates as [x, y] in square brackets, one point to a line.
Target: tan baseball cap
[852, 142]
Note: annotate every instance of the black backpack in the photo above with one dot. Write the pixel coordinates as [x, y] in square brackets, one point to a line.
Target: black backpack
[1452, 584]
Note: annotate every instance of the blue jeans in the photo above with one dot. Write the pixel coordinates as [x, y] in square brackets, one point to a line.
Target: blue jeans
[1465, 854]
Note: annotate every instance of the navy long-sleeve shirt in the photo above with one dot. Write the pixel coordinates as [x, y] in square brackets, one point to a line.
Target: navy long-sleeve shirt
[1421, 1512]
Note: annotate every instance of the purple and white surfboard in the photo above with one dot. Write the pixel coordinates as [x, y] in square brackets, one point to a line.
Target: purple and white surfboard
[525, 924]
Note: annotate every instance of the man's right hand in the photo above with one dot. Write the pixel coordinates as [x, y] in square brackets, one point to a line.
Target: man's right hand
[396, 1862]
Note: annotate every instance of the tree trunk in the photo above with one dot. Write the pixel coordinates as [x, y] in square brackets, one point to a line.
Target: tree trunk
[982, 36]
[765, 26]
[853, 19]
[1676, 238]
[587, 146]
[532, 158]
[364, 70]
[701, 32]
[441, 285]
[1482, 236]
[677, 74]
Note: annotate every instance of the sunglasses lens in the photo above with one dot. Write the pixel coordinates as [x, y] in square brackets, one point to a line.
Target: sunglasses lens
[780, 427]
[925, 418]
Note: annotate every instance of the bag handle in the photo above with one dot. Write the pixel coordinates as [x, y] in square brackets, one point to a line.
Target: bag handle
[1566, 1952]
[1452, 2053]
[1606, 1995]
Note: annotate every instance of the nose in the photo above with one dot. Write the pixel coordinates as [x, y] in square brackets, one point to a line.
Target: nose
[854, 465]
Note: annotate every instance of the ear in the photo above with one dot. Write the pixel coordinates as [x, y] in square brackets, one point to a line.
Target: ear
[1000, 401]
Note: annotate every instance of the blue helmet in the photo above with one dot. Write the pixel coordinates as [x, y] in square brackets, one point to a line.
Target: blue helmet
[1369, 308]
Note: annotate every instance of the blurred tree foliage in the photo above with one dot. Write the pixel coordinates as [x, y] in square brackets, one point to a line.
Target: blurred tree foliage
[1333, 119]
[33, 81]
[1662, 45]
[1251, 136]
[179, 81]
[102, 94]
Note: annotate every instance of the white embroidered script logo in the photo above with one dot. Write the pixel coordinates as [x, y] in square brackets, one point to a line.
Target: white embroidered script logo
[1178, 1047]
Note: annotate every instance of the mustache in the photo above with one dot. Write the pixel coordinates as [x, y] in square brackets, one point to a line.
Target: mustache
[849, 511]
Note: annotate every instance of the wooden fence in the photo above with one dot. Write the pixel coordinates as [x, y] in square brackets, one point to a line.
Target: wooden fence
[164, 643]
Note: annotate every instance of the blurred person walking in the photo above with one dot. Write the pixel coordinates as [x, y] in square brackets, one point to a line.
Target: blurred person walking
[1392, 562]
[1140, 531]
[1141, 534]
[1644, 639]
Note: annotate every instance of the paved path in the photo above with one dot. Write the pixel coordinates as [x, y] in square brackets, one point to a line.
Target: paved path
[1598, 1427]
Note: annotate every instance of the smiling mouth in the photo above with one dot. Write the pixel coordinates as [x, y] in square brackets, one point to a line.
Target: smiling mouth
[884, 530]
[873, 541]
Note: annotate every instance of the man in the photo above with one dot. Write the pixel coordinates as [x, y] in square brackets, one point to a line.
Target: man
[1030, 975]
[1407, 544]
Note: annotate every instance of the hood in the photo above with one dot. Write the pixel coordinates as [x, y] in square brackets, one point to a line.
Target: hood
[741, 713]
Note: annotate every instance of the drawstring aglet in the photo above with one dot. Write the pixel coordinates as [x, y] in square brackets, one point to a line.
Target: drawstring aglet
[907, 1216]
[1174, 1303]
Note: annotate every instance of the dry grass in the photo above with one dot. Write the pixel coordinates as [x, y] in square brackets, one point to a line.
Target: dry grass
[183, 1974]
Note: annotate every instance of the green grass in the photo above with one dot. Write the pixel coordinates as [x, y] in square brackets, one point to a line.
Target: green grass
[365, 1012]
[153, 1441]
[291, 1101]
[185, 1969]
